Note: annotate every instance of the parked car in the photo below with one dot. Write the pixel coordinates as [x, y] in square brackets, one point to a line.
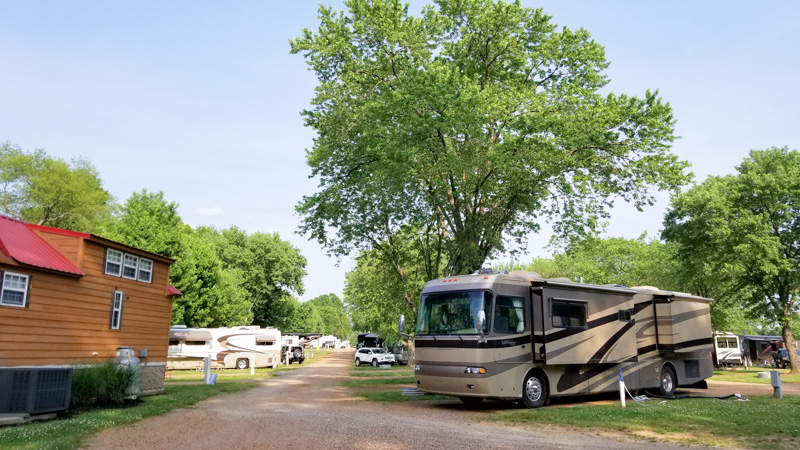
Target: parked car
[374, 356]
[400, 355]
[781, 358]
[295, 353]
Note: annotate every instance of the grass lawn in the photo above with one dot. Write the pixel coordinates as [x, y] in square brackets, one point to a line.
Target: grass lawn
[372, 381]
[762, 422]
[226, 374]
[369, 371]
[70, 431]
[749, 375]
[395, 396]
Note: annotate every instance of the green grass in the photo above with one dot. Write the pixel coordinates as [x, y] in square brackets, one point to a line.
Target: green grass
[395, 396]
[70, 431]
[227, 374]
[749, 375]
[762, 422]
[377, 372]
[378, 381]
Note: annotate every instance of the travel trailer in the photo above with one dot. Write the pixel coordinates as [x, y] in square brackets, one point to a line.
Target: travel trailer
[524, 338]
[727, 349]
[229, 347]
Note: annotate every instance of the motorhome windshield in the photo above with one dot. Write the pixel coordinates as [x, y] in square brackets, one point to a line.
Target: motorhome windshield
[453, 312]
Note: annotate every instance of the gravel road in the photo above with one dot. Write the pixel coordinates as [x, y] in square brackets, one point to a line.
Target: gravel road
[309, 409]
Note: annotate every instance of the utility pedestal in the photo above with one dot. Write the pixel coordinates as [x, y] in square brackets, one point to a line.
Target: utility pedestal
[775, 377]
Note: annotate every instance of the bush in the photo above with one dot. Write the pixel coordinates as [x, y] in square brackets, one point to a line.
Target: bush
[101, 384]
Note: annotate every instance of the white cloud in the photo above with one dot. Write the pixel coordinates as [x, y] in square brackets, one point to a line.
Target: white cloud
[216, 210]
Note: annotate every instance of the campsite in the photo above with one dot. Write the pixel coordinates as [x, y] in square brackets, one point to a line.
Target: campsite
[399, 224]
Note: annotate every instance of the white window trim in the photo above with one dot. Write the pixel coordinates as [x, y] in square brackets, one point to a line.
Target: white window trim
[135, 267]
[24, 291]
[149, 272]
[116, 309]
[121, 262]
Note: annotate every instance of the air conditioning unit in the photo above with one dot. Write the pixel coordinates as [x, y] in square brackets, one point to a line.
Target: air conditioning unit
[34, 390]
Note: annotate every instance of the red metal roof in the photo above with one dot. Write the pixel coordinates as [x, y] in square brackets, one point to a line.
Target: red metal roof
[19, 242]
[172, 290]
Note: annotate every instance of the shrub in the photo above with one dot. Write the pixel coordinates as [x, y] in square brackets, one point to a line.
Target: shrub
[100, 384]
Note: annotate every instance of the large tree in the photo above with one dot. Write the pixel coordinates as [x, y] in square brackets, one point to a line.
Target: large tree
[333, 315]
[647, 262]
[40, 189]
[480, 117]
[272, 270]
[745, 229]
[148, 221]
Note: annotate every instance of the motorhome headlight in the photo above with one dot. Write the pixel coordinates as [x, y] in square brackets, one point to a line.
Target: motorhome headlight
[475, 370]
[417, 367]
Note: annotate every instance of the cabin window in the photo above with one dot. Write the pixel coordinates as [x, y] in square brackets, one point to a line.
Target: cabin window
[195, 342]
[15, 289]
[174, 342]
[145, 270]
[726, 342]
[131, 265]
[265, 342]
[509, 314]
[113, 262]
[568, 314]
[116, 311]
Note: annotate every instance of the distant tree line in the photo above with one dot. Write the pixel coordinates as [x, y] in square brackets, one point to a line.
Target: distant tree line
[228, 277]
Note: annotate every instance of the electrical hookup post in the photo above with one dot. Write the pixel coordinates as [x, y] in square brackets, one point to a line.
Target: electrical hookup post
[621, 389]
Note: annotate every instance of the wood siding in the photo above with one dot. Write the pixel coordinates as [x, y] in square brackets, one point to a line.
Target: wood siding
[67, 319]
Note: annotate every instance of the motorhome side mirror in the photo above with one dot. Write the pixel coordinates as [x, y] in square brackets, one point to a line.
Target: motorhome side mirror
[402, 325]
[480, 322]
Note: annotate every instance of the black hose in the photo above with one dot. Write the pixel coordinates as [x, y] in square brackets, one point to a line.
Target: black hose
[683, 397]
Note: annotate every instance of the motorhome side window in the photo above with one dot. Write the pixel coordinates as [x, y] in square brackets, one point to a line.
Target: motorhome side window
[568, 313]
[509, 314]
[726, 342]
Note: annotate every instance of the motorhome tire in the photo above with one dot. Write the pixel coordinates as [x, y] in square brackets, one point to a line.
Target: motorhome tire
[374, 363]
[358, 362]
[242, 363]
[470, 400]
[668, 382]
[534, 390]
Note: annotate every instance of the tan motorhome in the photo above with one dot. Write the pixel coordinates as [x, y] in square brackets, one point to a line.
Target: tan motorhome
[521, 337]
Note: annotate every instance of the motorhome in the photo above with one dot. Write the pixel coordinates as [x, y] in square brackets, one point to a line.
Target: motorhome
[727, 349]
[236, 347]
[521, 337]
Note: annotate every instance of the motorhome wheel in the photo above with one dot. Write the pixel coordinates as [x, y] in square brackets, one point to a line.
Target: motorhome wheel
[358, 362]
[534, 390]
[374, 363]
[242, 363]
[668, 383]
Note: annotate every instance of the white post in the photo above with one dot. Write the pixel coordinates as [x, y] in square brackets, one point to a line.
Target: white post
[621, 389]
[207, 369]
[252, 365]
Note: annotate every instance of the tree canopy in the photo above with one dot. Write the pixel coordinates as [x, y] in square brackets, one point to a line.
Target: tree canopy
[478, 118]
[745, 229]
[49, 191]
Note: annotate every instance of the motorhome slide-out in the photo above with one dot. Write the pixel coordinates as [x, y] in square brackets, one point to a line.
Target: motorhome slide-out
[236, 347]
[521, 337]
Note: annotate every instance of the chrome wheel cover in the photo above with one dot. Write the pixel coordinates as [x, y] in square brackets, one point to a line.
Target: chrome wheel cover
[533, 389]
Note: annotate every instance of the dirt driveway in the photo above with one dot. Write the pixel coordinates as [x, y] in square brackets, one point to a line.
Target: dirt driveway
[308, 409]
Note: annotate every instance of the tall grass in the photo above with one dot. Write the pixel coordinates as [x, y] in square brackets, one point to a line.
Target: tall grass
[101, 384]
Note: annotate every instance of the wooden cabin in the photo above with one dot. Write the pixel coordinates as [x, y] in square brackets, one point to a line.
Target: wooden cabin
[70, 299]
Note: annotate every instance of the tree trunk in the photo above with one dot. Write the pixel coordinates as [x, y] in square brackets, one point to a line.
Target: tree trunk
[788, 340]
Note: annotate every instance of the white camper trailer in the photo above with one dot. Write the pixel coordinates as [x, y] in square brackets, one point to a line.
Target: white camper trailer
[229, 347]
[518, 336]
[727, 349]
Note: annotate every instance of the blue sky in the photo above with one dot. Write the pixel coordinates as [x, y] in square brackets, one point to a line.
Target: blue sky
[201, 100]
